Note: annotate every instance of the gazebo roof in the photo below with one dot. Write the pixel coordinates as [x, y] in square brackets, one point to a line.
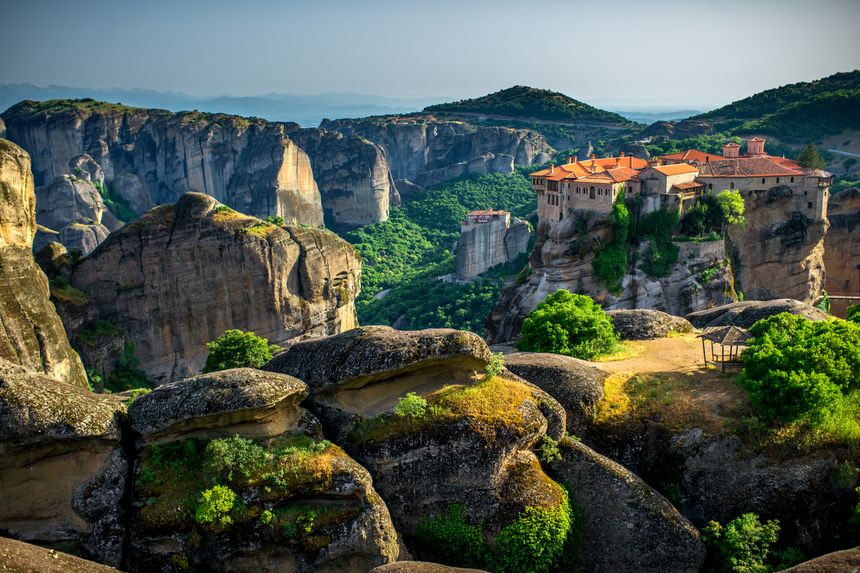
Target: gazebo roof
[727, 335]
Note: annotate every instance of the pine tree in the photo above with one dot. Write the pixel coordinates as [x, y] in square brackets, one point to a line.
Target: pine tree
[810, 158]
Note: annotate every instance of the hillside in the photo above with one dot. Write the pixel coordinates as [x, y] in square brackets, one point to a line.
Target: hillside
[529, 103]
[810, 119]
[773, 100]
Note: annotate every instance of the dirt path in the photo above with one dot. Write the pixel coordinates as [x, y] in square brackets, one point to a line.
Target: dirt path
[681, 354]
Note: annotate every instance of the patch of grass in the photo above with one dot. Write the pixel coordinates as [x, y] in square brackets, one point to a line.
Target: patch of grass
[624, 350]
[62, 291]
[95, 331]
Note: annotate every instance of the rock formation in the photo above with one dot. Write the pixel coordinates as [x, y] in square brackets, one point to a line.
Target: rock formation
[18, 557]
[836, 562]
[31, 333]
[301, 503]
[62, 467]
[352, 175]
[779, 252]
[644, 324]
[151, 157]
[420, 567]
[425, 150]
[745, 314]
[842, 244]
[484, 244]
[183, 274]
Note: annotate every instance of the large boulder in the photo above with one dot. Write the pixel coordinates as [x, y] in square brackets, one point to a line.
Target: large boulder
[62, 467]
[624, 524]
[18, 557]
[745, 314]
[31, 333]
[294, 502]
[645, 324]
[847, 561]
[182, 274]
[420, 567]
[576, 384]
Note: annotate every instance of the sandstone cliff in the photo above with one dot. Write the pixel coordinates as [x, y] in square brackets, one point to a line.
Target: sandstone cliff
[842, 244]
[425, 150]
[31, 333]
[182, 274]
[485, 245]
[779, 252]
[151, 157]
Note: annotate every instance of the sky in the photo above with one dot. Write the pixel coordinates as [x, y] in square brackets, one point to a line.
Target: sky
[653, 52]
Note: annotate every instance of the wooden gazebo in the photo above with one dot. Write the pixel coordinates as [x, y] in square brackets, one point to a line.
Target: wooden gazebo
[729, 338]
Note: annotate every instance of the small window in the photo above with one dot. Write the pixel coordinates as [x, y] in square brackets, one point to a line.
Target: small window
[732, 185]
[809, 205]
[762, 179]
[792, 179]
[777, 179]
[710, 186]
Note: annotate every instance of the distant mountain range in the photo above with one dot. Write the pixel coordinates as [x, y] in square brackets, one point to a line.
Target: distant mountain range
[306, 110]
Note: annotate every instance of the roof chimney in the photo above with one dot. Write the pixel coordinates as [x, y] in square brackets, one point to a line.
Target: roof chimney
[593, 156]
[571, 159]
[551, 168]
[618, 160]
[707, 159]
[621, 154]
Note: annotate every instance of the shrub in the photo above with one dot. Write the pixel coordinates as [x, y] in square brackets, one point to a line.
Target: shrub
[610, 264]
[795, 368]
[127, 375]
[234, 457]
[450, 539]
[495, 366]
[731, 207]
[742, 546]
[549, 451]
[853, 313]
[237, 349]
[266, 517]
[534, 541]
[215, 505]
[411, 406]
[135, 394]
[570, 324]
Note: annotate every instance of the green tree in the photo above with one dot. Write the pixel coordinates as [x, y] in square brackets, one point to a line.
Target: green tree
[810, 158]
[237, 349]
[853, 313]
[570, 324]
[732, 207]
[743, 545]
[610, 264]
[214, 506]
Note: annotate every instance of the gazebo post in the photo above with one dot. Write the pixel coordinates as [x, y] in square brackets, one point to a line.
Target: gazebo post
[704, 355]
[723, 359]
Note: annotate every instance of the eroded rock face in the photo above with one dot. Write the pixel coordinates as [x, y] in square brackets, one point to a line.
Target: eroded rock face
[626, 525]
[31, 333]
[305, 505]
[485, 245]
[425, 150]
[780, 250]
[643, 324]
[746, 313]
[576, 384]
[420, 567]
[183, 274]
[62, 469]
[18, 557]
[842, 244]
[836, 562]
[352, 175]
[152, 157]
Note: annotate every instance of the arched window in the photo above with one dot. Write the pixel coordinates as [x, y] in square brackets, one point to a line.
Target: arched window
[777, 179]
[792, 179]
[732, 185]
[762, 179]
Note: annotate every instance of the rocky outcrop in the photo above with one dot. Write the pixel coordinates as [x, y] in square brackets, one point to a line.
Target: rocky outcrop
[625, 525]
[183, 274]
[152, 157]
[644, 324]
[779, 252]
[352, 175]
[576, 384]
[425, 150]
[836, 562]
[294, 502]
[420, 567]
[745, 314]
[842, 244]
[18, 557]
[62, 468]
[31, 333]
[483, 245]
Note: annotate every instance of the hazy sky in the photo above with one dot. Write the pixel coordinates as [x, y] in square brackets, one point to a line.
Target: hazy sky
[647, 50]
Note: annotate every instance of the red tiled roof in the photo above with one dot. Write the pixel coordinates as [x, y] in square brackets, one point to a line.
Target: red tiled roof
[692, 155]
[762, 166]
[486, 212]
[584, 168]
[675, 169]
[689, 185]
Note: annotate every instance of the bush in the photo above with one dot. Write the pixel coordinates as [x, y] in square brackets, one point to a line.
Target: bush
[610, 263]
[234, 457]
[449, 539]
[127, 375]
[237, 349]
[742, 546]
[411, 406]
[495, 366]
[215, 505]
[570, 324]
[795, 368]
[853, 313]
[549, 450]
[534, 541]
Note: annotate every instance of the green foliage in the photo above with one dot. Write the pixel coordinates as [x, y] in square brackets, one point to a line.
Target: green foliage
[732, 207]
[742, 546]
[549, 451]
[810, 158]
[266, 517]
[215, 505]
[450, 539]
[843, 184]
[570, 324]
[135, 394]
[127, 375]
[610, 264]
[237, 349]
[795, 368]
[115, 202]
[656, 228]
[534, 541]
[95, 331]
[411, 406]
[853, 313]
[705, 216]
[234, 458]
[824, 303]
[495, 366]
[707, 143]
[526, 102]
[277, 220]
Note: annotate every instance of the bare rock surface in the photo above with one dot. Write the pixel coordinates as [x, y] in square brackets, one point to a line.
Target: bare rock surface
[31, 333]
[19, 557]
[847, 561]
[745, 314]
[626, 525]
[842, 243]
[644, 324]
[181, 275]
[420, 567]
